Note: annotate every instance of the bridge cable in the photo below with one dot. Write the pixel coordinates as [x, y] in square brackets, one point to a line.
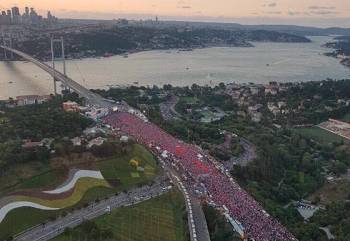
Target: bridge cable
[81, 74]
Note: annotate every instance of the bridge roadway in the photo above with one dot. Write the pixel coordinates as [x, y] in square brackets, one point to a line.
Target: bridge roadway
[91, 97]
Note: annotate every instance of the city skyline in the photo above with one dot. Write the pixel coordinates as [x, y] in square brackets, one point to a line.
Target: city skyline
[27, 16]
[324, 13]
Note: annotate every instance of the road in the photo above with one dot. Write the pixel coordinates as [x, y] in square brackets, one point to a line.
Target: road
[248, 155]
[55, 228]
[198, 229]
[167, 109]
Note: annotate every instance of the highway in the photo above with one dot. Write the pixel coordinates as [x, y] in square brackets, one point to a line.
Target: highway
[92, 98]
[197, 223]
[54, 228]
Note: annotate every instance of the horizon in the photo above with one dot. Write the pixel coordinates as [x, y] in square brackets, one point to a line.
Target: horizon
[310, 13]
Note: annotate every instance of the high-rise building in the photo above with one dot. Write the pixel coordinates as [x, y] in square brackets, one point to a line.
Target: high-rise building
[25, 17]
[3, 18]
[26, 11]
[9, 17]
[16, 17]
[13, 16]
[33, 16]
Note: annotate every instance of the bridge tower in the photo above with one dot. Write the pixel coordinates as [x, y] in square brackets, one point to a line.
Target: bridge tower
[62, 58]
[7, 41]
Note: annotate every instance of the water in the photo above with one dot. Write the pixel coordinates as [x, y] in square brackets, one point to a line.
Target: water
[266, 62]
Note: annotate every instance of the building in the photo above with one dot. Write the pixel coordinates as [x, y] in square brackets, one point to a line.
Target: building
[31, 144]
[96, 142]
[71, 106]
[273, 108]
[254, 112]
[16, 16]
[97, 113]
[31, 99]
[29, 17]
[77, 141]
[26, 11]
[9, 16]
[3, 18]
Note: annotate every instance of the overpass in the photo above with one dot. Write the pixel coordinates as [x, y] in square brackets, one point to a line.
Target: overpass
[90, 97]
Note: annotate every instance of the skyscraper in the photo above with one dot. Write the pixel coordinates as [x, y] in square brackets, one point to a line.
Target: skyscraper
[16, 17]
[3, 18]
[26, 11]
[9, 17]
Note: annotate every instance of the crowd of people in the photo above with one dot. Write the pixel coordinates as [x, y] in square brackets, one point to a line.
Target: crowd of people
[222, 189]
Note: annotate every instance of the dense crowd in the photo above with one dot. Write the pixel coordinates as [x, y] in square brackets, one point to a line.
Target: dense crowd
[257, 224]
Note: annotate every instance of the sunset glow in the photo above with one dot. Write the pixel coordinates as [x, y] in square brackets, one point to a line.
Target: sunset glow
[205, 9]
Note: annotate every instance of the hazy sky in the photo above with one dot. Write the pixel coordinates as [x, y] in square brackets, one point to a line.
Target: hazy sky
[309, 12]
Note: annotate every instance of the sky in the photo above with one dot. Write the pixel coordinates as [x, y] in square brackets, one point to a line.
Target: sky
[323, 13]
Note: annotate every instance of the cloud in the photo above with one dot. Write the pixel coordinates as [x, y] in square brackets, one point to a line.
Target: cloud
[293, 13]
[297, 13]
[270, 5]
[184, 7]
[323, 12]
[273, 12]
[321, 7]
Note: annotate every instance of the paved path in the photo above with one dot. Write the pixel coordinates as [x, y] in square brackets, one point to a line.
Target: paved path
[248, 155]
[55, 228]
[167, 109]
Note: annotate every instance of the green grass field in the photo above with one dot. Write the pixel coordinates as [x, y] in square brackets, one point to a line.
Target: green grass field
[114, 169]
[28, 175]
[15, 221]
[190, 100]
[319, 135]
[346, 117]
[119, 168]
[158, 219]
[47, 179]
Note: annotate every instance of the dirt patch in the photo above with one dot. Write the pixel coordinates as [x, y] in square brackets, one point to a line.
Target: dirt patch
[114, 182]
[74, 160]
[44, 196]
[336, 191]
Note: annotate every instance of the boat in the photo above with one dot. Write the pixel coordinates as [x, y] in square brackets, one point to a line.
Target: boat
[10, 82]
[107, 55]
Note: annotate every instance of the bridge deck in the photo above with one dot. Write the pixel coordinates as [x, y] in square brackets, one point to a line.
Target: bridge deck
[91, 97]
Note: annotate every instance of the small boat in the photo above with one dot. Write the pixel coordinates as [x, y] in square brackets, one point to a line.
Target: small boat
[10, 82]
[107, 55]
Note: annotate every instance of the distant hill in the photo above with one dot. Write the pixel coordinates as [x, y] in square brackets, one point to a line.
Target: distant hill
[290, 29]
